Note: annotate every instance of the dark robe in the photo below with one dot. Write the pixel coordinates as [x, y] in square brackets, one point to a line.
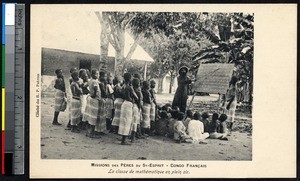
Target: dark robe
[181, 95]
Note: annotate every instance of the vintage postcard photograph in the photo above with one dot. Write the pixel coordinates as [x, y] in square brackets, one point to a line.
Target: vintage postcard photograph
[157, 91]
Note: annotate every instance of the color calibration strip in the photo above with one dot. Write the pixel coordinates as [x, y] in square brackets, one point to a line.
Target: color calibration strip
[3, 93]
[8, 87]
[13, 65]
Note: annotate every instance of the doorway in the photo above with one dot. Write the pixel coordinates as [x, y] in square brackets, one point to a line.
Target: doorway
[85, 64]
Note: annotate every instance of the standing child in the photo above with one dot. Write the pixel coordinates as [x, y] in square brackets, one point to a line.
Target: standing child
[92, 106]
[76, 114]
[80, 82]
[136, 108]
[119, 99]
[109, 102]
[85, 93]
[139, 93]
[73, 69]
[231, 101]
[60, 96]
[153, 105]
[125, 124]
[101, 121]
[196, 129]
[146, 108]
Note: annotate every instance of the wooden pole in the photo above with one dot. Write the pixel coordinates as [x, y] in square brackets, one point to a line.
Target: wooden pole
[191, 101]
[219, 102]
[145, 71]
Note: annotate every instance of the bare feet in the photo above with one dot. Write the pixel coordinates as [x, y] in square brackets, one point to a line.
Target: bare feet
[93, 136]
[56, 123]
[75, 130]
[125, 143]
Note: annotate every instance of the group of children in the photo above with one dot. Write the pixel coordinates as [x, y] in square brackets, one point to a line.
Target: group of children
[192, 127]
[99, 103]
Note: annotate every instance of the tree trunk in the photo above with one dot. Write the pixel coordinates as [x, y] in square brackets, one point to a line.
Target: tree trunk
[250, 88]
[104, 43]
[250, 95]
[160, 84]
[171, 83]
[133, 47]
[119, 58]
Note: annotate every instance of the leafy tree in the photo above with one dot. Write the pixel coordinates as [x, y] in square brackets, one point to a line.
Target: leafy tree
[234, 45]
[114, 26]
[173, 38]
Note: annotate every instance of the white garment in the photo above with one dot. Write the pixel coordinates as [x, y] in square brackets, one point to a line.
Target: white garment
[110, 89]
[196, 130]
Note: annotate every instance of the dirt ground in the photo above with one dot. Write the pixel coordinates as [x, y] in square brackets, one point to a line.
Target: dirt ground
[59, 143]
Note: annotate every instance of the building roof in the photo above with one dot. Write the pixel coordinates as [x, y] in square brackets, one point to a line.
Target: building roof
[139, 53]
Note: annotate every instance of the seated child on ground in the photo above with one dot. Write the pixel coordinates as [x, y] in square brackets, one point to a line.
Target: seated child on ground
[189, 117]
[214, 126]
[159, 110]
[205, 121]
[157, 118]
[180, 130]
[161, 126]
[167, 109]
[214, 123]
[164, 108]
[169, 106]
[196, 129]
[172, 121]
[223, 127]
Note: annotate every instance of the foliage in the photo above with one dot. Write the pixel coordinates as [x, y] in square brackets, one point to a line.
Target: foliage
[135, 66]
[174, 38]
[235, 45]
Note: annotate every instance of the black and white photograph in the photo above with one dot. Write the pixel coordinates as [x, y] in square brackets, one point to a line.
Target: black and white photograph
[139, 92]
[161, 87]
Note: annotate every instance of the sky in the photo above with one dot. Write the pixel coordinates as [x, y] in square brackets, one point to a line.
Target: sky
[67, 28]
